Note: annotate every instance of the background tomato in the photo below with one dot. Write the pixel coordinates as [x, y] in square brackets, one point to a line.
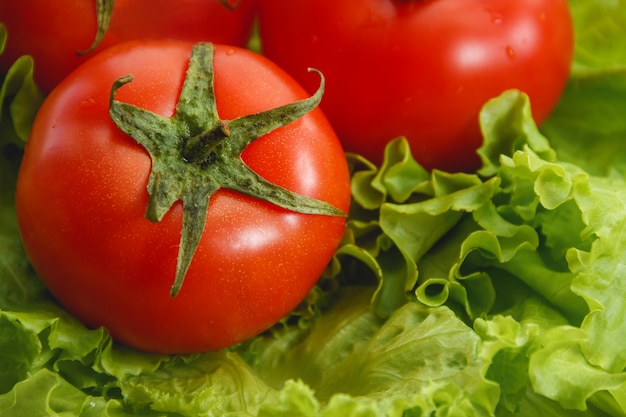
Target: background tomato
[53, 31]
[422, 69]
[81, 202]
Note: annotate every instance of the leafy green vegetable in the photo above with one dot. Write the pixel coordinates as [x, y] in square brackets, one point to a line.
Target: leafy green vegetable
[495, 293]
[19, 98]
[600, 27]
[588, 127]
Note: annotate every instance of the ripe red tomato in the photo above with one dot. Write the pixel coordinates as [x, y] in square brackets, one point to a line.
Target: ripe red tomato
[81, 202]
[53, 31]
[422, 69]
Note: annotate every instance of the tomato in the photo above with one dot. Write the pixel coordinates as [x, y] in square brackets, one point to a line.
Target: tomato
[54, 31]
[421, 69]
[81, 203]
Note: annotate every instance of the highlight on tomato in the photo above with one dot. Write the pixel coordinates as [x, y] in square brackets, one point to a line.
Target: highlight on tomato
[186, 197]
[421, 69]
[60, 34]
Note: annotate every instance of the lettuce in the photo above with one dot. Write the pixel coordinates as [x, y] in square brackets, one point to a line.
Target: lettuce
[19, 98]
[499, 292]
[588, 127]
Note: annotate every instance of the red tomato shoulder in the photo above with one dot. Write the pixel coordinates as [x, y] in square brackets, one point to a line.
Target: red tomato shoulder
[421, 69]
[54, 31]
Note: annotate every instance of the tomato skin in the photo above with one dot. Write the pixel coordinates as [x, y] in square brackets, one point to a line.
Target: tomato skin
[422, 69]
[53, 31]
[81, 201]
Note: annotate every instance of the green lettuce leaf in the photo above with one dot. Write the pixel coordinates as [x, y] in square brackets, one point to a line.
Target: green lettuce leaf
[420, 359]
[588, 127]
[600, 28]
[527, 232]
[20, 98]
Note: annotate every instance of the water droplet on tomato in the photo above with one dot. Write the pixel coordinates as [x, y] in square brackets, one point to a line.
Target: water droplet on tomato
[230, 52]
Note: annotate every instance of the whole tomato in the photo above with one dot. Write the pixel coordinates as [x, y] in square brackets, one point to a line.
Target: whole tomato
[421, 68]
[82, 199]
[55, 32]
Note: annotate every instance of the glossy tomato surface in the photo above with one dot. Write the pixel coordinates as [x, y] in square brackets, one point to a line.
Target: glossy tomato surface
[54, 31]
[81, 202]
[421, 69]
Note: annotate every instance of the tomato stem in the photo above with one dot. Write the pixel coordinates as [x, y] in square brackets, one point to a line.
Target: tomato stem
[195, 153]
[229, 5]
[104, 10]
[201, 148]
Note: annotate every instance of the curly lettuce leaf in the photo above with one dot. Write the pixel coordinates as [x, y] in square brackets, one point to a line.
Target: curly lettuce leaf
[528, 224]
[20, 99]
[600, 28]
[348, 362]
[421, 359]
[588, 127]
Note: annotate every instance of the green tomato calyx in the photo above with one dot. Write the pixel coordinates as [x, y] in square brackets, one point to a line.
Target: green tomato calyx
[194, 153]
